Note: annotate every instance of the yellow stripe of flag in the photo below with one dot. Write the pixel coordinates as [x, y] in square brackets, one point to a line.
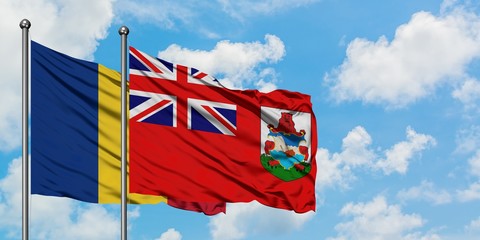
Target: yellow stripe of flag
[109, 125]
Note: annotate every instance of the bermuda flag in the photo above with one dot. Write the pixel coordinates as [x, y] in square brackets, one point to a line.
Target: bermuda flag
[193, 139]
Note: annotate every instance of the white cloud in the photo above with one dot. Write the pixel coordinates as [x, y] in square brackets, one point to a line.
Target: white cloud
[170, 234]
[188, 14]
[448, 5]
[242, 9]
[161, 12]
[357, 152]
[331, 171]
[267, 80]
[73, 27]
[242, 69]
[420, 236]
[474, 163]
[470, 194]
[468, 139]
[134, 213]
[52, 217]
[61, 218]
[471, 231]
[411, 66]
[398, 157]
[425, 191]
[377, 220]
[244, 219]
[336, 169]
[11, 196]
[468, 94]
[473, 226]
[69, 26]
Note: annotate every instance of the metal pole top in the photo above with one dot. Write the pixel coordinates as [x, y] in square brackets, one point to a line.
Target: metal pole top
[26, 24]
[122, 31]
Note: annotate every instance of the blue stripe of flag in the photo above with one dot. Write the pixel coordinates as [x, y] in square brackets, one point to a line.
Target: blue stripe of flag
[64, 123]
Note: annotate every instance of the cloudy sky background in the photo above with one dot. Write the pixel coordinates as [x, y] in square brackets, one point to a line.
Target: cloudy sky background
[395, 88]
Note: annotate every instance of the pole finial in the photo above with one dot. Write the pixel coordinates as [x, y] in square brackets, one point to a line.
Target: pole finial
[123, 30]
[25, 24]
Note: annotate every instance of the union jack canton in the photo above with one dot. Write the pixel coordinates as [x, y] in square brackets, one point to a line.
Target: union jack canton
[152, 102]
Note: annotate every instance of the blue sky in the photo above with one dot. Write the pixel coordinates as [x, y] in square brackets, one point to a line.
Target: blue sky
[394, 84]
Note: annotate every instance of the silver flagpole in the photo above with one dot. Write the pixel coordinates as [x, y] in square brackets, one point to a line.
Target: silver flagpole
[25, 25]
[123, 31]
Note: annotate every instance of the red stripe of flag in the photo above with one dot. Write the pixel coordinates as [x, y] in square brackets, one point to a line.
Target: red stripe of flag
[145, 60]
[200, 75]
[150, 110]
[219, 118]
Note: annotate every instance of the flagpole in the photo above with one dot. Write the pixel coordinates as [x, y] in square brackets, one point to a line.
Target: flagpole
[123, 31]
[25, 26]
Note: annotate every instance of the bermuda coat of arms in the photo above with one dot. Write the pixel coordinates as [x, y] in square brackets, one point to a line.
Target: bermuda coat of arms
[285, 142]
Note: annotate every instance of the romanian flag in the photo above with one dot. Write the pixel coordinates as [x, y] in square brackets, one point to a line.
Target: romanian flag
[76, 126]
